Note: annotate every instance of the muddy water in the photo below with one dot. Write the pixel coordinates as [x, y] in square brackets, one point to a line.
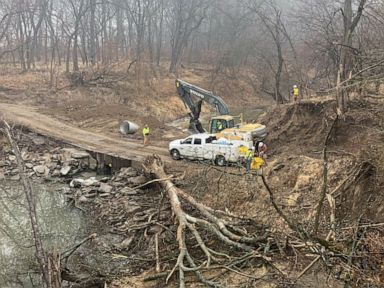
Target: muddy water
[61, 227]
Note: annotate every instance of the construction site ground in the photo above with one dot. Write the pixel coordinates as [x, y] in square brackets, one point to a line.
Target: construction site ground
[294, 171]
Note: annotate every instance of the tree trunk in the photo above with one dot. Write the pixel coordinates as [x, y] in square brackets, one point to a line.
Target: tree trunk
[346, 52]
[21, 43]
[75, 59]
[41, 255]
[92, 39]
[160, 34]
[68, 55]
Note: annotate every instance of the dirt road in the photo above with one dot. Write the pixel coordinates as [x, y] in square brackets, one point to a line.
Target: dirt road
[29, 117]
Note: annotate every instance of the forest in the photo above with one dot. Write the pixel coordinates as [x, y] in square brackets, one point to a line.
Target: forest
[85, 205]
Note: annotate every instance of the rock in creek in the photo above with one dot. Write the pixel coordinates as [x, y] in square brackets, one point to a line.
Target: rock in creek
[41, 170]
[105, 188]
[76, 183]
[83, 199]
[12, 158]
[56, 173]
[29, 165]
[90, 182]
[15, 178]
[65, 170]
[2, 177]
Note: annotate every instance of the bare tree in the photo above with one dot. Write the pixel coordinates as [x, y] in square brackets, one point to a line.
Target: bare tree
[346, 50]
[275, 27]
[41, 255]
[186, 16]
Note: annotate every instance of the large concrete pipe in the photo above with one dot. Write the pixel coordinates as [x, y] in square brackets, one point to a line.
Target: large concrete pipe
[128, 127]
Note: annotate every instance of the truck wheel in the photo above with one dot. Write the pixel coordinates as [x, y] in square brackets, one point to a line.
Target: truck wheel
[220, 161]
[175, 154]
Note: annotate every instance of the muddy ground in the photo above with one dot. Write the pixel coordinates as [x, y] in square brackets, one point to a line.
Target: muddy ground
[294, 172]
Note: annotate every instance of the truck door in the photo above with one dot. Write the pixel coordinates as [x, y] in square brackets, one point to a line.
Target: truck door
[186, 147]
[208, 148]
[197, 148]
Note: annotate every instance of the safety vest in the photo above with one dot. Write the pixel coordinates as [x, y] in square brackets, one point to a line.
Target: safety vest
[257, 163]
[243, 150]
[145, 131]
[296, 91]
[249, 154]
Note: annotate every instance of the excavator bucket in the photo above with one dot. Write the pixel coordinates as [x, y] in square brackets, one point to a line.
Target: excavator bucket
[196, 127]
[194, 123]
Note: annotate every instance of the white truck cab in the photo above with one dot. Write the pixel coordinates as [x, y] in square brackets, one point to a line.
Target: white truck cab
[206, 146]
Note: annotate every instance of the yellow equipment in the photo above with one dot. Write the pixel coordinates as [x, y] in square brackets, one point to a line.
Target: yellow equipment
[223, 125]
[257, 163]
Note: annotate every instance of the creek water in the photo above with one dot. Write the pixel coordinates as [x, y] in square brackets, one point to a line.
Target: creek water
[61, 227]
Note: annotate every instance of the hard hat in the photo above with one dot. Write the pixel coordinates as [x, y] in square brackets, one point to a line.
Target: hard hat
[294, 86]
[261, 144]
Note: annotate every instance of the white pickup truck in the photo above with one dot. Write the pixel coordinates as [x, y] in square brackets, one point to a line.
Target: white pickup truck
[206, 147]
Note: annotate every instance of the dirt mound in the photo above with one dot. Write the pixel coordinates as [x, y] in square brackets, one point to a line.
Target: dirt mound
[301, 129]
[298, 128]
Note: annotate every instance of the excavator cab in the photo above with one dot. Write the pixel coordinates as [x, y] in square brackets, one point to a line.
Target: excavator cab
[219, 123]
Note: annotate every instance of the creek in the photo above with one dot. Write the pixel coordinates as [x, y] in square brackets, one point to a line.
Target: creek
[61, 227]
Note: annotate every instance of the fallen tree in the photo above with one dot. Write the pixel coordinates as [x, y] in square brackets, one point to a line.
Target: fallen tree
[214, 222]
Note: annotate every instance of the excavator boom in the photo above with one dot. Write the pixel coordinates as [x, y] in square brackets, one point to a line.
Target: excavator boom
[186, 92]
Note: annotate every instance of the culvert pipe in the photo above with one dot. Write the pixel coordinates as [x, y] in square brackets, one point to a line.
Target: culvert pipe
[128, 127]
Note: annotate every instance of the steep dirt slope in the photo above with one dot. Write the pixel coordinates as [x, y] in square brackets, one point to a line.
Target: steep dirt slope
[358, 137]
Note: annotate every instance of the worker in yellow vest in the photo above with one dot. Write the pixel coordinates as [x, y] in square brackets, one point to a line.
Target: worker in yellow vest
[295, 93]
[146, 134]
[248, 159]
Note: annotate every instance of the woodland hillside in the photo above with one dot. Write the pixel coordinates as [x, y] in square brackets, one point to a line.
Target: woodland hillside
[82, 205]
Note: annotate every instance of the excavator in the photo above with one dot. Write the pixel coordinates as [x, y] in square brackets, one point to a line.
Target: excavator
[223, 125]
